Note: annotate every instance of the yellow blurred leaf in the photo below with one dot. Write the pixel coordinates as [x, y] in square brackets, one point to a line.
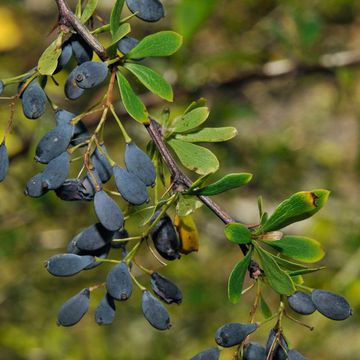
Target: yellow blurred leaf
[188, 233]
[10, 34]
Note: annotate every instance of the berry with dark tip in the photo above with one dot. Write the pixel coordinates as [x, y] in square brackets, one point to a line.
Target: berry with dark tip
[155, 312]
[73, 310]
[56, 172]
[331, 305]
[165, 289]
[233, 334]
[105, 312]
[119, 283]
[90, 74]
[67, 264]
[209, 354]
[301, 303]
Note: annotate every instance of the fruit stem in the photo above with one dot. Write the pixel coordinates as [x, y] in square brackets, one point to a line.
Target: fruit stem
[126, 136]
[142, 288]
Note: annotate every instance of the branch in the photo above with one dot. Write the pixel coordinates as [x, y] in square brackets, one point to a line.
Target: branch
[180, 181]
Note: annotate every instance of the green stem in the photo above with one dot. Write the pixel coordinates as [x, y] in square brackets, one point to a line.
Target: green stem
[133, 238]
[126, 136]
[142, 288]
[97, 259]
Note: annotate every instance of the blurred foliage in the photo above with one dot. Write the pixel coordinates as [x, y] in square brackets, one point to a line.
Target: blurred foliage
[295, 133]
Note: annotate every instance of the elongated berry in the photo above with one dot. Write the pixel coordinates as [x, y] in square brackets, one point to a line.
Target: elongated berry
[90, 74]
[254, 351]
[54, 143]
[72, 90]
[155, 312]
[63, 117]
[33, 101]
[4, 161]
[232, 334]
[119, 283]
[331, 305]
[93, 238]
[67, 264]
[107, 211]
[146, 10]
[81, 50]
[102, 164]
[105, 312]
[81, 134]
[131, 188]
[301, 303]
[72, 311]
[279, 349]
[165, 289]
[56, 172]
[35, 187]
[126, 44]
[139, 163]
[64, 58]
[209, 354]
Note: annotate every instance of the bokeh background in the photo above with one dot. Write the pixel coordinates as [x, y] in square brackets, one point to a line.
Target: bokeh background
[286, 75]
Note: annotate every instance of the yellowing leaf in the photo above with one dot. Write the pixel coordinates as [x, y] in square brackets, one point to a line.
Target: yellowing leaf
[188, 233]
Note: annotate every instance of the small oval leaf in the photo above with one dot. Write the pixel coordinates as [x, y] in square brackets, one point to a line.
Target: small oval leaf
[237, 233]
[191, 120]
[209, 135]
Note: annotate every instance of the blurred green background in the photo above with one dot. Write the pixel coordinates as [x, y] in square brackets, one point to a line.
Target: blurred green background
[297, 132]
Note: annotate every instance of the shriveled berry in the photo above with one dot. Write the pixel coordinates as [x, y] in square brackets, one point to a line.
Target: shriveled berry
[105, 312]
[254, 351]
[73, 190]
[107, 211]
[233, 333]
[209, 354]
[147, 10]
[165, 289]
[72, 311]
[67, 264]
[119, 283]
[131, 188]
[138, 163]
[331, 305]
[301, 303]
[155, 312]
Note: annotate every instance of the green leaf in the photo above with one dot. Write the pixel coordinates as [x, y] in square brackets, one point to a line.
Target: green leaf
[237, 233]
[115, 16]
[278, 279]
[297, 207]
[306, 271]
[265, 308]
[194, 157]
[187, 205]
[89, 10]
[209, 135]
[236, 278]
[152, 80]
[286, 264]
[121, 31]
[299, 248]
[202, 102]
[163, 43]
[49, 59]
[228, 182]
[297, 279]
[191, 120]
[131, 101]
[190, 15]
